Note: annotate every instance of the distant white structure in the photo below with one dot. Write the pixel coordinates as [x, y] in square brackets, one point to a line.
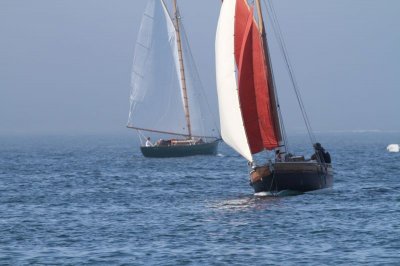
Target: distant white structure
[393, 148]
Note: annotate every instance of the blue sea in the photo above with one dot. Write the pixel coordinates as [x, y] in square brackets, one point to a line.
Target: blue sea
[95, 200]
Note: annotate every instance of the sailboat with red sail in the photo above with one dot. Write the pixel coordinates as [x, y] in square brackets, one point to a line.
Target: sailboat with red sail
[250, 115]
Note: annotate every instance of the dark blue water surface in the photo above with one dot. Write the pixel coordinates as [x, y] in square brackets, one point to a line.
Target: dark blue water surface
[96, 200]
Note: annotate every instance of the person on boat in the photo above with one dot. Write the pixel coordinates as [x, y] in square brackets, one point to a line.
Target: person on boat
[200, 141]
[148, 142]
[327, 157]
[320, 153]
[278, 156]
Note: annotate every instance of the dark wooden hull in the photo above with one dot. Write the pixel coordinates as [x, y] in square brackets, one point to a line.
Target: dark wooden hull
[296, 176]
[208, 148]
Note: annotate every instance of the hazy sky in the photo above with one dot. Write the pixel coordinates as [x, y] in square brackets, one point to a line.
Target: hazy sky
[65, 65]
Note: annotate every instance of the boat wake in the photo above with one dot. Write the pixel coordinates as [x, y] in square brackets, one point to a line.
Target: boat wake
[235, 204]
[283, 193]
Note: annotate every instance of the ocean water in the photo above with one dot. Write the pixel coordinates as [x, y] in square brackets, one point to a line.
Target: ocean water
[94, 200]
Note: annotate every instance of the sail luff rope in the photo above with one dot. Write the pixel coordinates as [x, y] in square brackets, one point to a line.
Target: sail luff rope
[281, 42]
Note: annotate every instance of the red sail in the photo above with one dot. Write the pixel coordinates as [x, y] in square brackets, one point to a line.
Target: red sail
[253, 82]
[247, 94]
[242, 15]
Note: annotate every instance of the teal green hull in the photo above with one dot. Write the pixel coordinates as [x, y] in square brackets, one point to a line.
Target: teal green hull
[209, 148]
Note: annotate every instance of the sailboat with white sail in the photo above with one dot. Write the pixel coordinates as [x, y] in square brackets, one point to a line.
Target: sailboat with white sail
[167, 97]
[250, 117]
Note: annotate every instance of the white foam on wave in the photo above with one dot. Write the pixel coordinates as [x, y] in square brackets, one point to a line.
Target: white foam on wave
[282, 193]
[264, 194]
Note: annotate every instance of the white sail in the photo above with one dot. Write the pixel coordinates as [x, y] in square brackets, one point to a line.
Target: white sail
[203, 122]
[232, 129]
[156, 97]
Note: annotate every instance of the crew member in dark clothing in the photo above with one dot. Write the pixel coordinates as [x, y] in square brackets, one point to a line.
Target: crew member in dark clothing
[320, 153]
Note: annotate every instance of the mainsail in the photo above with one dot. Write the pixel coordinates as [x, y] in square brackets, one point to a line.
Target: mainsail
[157, 99]
[232, 130]
[250, 95]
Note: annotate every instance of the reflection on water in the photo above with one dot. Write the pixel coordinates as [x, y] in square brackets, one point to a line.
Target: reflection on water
[234, 204]
[262, 201]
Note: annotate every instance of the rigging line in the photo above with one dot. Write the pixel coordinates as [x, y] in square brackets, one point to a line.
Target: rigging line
[280, 117]
[280, 39]
[169, 14]
[293, 78]
[276, 96]
[140, 134]
[198, 78]
[285, 139]
[267, 52]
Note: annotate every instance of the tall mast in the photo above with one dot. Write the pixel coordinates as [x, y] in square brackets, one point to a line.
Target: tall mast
[271, 83]
[182, 70]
